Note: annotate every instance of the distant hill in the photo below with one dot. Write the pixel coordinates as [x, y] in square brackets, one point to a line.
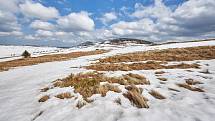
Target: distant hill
[87, 43]
[118, 41]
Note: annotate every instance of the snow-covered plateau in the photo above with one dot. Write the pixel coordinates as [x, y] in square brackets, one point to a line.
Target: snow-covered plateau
[20, 89]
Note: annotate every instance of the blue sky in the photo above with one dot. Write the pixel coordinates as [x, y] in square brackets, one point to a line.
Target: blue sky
[63, 22]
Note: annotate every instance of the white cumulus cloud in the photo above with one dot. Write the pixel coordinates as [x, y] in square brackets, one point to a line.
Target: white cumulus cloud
[76, 22]
[37, 10]
[37, 24]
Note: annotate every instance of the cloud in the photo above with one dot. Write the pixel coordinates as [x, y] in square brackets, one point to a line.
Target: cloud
[108, 17]
[158, 10]
[44, 33]
[76, 22]
[39, 11]
[10, 5]
[37, 24]
[192, 19]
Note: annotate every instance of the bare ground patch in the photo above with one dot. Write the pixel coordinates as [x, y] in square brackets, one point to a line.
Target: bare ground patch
[4, 66]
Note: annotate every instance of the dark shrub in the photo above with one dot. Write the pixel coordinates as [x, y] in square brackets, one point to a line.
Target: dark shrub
[26, 54]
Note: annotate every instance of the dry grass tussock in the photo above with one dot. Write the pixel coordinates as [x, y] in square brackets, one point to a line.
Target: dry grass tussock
[65, 95]
[138, 66]
[87, 84]
[173, 89]
[190, 87]
[162, 79]
[4, 66]
[45, 89]
[135, 97]
[81, 103]
[175, 54]
[44, 98]
[156, 94]
[192, 81]
[159, 72]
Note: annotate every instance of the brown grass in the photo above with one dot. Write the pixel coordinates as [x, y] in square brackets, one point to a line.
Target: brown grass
[87, 84]
[156, 94]
[44, 89]
[135, 79]
[65, 95]
[159, 72]
[173, 89]
[162, 79]
[189, 87]
[137, 66]
[44, 98]
[136, 98]
[192, 82]
[4, 66]
[81, 103]
[103, 89]
[175, 54]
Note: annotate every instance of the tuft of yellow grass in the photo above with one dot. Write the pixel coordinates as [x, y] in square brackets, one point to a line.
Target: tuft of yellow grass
[87, 84]
[44, 98]
[65, 95]
[189, 87]
[156, 94]
[162, 79]
[136, 79]
[135, 97]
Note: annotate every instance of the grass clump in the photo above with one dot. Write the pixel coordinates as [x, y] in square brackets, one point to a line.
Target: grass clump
[44, 89]
[159, 72]
[189, 87]
[65, 95]
[157, 95]
[162, 79]
[172, 89]
[192, 82]
[81, 103]
[135, 97]
[87, 84]
[44, 98]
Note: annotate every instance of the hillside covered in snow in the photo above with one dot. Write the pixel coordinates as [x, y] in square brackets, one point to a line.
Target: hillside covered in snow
[109, 82]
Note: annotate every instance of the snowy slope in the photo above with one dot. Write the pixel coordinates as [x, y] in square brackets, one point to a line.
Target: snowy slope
[20, 91]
